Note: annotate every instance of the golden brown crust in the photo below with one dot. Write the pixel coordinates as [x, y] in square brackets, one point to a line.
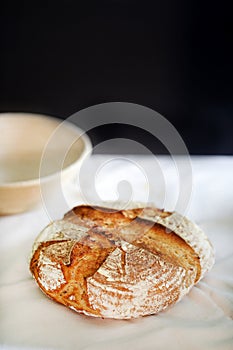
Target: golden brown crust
[140, 232]
[120, 266]
[87, 256]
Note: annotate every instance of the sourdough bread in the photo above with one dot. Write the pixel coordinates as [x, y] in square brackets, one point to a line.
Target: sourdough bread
[122, 263]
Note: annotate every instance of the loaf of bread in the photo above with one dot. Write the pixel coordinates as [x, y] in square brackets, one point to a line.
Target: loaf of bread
[120, 264]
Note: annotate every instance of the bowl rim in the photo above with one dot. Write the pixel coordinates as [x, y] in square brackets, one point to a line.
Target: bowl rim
[41, 179]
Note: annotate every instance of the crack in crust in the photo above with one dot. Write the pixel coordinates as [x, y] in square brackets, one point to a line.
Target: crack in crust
[117, 264]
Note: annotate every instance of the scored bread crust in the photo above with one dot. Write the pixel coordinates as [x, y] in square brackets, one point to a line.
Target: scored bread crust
[122, 263]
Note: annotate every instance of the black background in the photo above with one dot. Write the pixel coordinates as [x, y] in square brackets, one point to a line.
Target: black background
[172, 56]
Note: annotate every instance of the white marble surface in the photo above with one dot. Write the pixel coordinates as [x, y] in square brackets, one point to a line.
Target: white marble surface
[202, 320]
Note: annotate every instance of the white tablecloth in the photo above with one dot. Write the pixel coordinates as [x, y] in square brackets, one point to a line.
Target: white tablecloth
[202, 320]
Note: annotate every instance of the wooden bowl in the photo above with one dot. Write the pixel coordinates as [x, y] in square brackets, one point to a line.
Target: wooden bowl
[34, 150]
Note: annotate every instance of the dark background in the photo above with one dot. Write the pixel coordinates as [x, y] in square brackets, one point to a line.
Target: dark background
[172, 56]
